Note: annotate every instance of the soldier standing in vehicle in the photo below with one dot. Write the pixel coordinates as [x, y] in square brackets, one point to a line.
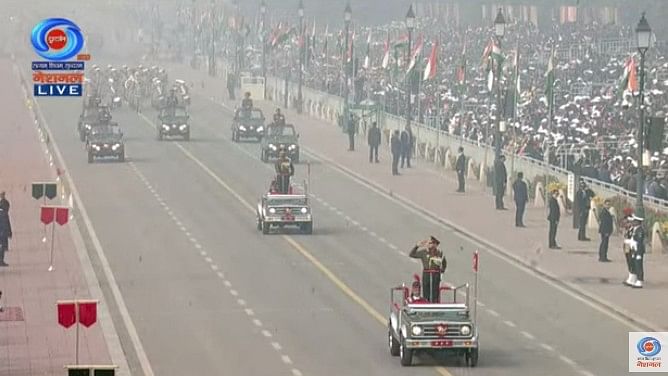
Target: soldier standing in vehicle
[279, 119]
[433, 265]
[247, 102]
[284, 170]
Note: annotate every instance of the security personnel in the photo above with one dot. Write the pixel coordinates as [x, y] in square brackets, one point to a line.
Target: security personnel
[5, 234]
[460, 167]
[374, 139]
[279, 119]
[247, 102]
[637, 248]
[433, 265]
[172, 101]
[284, 170]
[583, 202]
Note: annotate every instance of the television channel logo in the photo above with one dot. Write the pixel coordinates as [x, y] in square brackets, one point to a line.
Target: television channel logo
[645, 350]
[57, 40]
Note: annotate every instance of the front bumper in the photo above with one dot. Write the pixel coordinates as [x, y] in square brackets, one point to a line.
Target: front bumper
[174, 130]
[271, 153]
[106, 152]
[297, 220]
[249, 132]
[441, 343]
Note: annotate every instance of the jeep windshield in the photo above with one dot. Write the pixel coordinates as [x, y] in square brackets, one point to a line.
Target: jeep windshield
[296, 201]
[437, 315]
[282, 132]
[252, 115]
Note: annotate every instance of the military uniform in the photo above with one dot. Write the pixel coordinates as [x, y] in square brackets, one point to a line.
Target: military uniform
[636, 243]
[284, 170]
[433, 265]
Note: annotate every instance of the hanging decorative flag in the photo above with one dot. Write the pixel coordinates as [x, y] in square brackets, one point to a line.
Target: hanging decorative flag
[430, 70]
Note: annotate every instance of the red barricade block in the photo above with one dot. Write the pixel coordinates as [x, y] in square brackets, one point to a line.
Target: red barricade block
[62, 215]
[47, 214]
[87, 313]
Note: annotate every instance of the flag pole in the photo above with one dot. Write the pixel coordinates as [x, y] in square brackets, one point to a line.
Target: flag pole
[53, 232]
[76, 317]
[515, 109]
[550, 104]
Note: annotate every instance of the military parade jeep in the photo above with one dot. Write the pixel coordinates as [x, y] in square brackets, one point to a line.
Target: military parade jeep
[105, 141]
[280, 210]
[279, 137]
[91, 117]
[248, 123]
[427, 327]
[173, 121]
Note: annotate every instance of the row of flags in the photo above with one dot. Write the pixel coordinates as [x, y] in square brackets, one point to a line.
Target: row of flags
[492, 59]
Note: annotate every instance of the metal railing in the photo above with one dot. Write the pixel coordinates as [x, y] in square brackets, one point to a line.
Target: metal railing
[478, 151]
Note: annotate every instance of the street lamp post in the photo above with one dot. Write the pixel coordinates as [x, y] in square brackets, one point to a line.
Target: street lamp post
[300, 11]
[263, 12]
[643, 35]
[347, 16]
[410, 25]
[212, 52]
[499, 32]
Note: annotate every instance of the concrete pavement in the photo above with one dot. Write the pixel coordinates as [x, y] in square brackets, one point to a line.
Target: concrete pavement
[37, 344]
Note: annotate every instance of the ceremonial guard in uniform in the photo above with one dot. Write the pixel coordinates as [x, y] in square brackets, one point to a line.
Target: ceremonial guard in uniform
[637, 252]
[247, 102]
[279, 119]
[284, 170]
[415, 296]
[433, 265]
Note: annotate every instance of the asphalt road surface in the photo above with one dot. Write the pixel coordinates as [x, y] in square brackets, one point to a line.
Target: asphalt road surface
[209, 294]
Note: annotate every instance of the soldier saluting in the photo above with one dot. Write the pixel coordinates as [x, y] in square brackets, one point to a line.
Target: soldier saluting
[433, 265]
[284, 170]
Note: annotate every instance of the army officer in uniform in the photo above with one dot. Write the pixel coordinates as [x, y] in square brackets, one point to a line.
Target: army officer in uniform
[433, 265]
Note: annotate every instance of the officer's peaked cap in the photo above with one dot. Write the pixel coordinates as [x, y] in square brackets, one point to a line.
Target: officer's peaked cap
[434, 240]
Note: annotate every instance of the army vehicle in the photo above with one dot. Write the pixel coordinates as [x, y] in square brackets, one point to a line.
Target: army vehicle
[105, 141]
[173, 122]
[280, 137]
[248, 123]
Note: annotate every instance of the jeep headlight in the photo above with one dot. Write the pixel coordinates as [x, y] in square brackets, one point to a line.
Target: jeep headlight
[165, 127]
[88, 126]
[304, 210]
[117, 99]
[115, 146]
[272, 147]
[416, 330]
[183, 127]
[96, 147]
[259, 129]
[272, 210]
[242, 128]
[292, 147]
[465, 330]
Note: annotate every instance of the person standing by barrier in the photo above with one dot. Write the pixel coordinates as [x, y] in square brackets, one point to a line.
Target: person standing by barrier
[374, 142]
[460, 167]
[553, 216]
[583, 203]
[521, 197]
[395, 147]
[605, 229]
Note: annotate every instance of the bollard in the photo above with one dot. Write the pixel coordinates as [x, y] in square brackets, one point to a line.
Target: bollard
[539, 197]
[470, 171]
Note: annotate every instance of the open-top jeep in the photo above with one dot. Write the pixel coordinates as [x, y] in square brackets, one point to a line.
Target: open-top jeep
[173, 121]
[428, 327]
[279, 137]
[247, 123]
[280, 210]
[105, 141]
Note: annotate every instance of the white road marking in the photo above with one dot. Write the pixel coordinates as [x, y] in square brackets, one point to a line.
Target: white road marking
[249, 312]
[183, 228]
[493, 312]
[286, 359]
[373, 234]
[276, 346]
[214, 267]
[234, 293]
[364, 229]
[257, 322]
[382, 240]
[355, 223]
[221, 275]
[296, 372]
[547, 347]
[510, 324]
[566, 359]
[241, 302]
[202, 253]
[394, 247]
[192, 240]
[188, 234]
[227, 283]
[585, 372]
[198, 246]
[208, 259]
[480, 304]
[527, 335]
[266, 333]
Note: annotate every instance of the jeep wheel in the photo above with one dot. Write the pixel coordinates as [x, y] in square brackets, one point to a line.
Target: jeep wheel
[472, 358]
[263, 156]
[235, 136]
[259, 225]
[159, 137]
[405, 355]
[307, 228]
[91, 158]
[265, 228]
[121, 157]
[186, 136]
[296, 159]
[393, 343]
